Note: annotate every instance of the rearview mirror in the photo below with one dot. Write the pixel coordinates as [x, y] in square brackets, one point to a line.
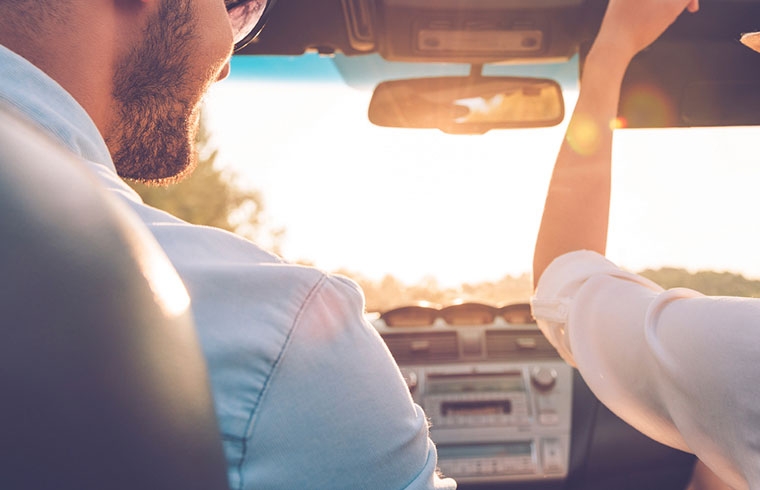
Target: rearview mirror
[468, 105]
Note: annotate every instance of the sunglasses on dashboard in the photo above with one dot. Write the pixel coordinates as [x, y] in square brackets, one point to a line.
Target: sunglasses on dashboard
[471, 314]
[248, 18]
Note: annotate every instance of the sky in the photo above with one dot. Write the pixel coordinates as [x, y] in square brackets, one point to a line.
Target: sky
[421, 204]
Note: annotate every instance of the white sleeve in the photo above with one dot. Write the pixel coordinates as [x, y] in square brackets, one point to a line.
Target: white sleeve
[681, 367]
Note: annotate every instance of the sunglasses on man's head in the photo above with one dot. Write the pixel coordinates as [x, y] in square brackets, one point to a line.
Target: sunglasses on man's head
[248, 18]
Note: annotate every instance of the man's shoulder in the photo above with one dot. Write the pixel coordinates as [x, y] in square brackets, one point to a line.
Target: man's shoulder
[233, 276]
[228, 275]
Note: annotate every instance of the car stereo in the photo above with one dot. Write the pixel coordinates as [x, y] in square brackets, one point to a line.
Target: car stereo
[497, 393]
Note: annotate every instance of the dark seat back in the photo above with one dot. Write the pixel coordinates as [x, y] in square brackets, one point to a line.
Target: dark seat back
[102, 382]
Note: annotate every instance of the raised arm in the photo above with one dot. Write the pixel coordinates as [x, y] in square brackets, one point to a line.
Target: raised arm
[577, 205]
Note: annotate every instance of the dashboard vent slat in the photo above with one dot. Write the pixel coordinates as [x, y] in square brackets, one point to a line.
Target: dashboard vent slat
[506, 344]
[423, 347]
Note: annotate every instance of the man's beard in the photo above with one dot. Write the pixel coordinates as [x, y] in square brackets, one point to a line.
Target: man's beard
[152, 139]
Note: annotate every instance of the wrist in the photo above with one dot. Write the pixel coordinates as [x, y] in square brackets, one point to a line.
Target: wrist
[612, 56]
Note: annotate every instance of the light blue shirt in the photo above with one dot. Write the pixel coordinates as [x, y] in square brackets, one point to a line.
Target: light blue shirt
[307, 395]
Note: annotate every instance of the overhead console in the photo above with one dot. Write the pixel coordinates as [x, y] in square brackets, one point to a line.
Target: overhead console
[473, 31]
[462, 31]
[696, 74]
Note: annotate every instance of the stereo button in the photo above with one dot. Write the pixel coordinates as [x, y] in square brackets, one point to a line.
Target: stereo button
[548, 418]
[552, 456]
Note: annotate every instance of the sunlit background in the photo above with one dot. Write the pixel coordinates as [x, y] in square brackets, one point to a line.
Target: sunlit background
[420, 204]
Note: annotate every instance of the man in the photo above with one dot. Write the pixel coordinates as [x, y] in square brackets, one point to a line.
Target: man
[680, 367]
[306, 394]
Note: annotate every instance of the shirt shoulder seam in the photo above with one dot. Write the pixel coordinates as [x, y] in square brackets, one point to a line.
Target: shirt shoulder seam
[252, 417]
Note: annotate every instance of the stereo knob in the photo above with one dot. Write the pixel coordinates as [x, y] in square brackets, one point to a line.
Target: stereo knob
[543, 378]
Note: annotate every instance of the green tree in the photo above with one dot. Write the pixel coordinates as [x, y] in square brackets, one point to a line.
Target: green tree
[390, 292]
[210, 196]
[710, 283]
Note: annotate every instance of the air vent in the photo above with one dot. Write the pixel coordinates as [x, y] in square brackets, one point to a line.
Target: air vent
[502, 344]
[361, 32]
[422, 347]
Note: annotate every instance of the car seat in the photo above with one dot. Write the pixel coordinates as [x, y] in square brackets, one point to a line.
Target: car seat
[102, 381]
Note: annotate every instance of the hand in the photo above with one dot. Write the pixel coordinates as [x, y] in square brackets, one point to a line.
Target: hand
[629, 26]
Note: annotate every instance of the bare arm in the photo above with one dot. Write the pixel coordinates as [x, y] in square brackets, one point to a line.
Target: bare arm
[576, 212]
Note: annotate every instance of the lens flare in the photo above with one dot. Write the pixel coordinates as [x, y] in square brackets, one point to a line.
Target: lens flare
[618, 123]
[648, 106]
[583, 135]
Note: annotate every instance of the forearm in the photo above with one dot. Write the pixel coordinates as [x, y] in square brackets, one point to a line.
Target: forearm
[576, 212]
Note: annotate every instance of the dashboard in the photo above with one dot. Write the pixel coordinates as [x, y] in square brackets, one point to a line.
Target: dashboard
[507, 412]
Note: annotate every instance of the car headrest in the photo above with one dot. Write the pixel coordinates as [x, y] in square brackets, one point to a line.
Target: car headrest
[102, 381]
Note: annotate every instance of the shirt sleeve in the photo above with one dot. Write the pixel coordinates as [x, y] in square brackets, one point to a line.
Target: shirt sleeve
[336, 412]
[680, 367]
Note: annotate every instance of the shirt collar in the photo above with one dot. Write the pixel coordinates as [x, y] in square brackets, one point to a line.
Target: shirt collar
[47, 104]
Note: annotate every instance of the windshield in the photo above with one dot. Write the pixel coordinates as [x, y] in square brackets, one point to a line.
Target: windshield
[424, 206]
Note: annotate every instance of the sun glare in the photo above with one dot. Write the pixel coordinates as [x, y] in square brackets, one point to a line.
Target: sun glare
[421, 203]
[378, 200]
